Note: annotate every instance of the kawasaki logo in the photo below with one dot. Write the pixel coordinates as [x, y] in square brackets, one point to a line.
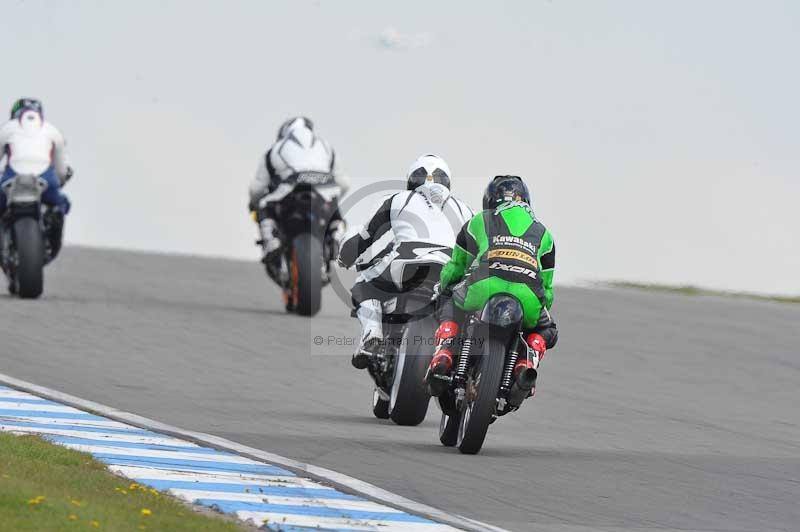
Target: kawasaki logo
[500, 240]
[513, 269]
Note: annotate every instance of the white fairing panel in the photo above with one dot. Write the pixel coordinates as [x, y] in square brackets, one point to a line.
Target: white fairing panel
[24, 188]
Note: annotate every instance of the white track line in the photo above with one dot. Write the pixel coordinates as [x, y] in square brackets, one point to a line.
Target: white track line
[214, 477]
[15, 394]
[337, 523]
[88, 423]
[11, 405]
[103, 436]
[346, 482]
[341, 504]
[149, 453]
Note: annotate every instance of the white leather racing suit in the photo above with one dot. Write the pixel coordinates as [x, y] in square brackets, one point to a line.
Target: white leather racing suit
[424, 223]
[299, 150]
[30, 145]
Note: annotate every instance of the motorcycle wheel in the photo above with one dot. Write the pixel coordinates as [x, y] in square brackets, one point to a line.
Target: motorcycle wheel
[479, 404]
[409, 395]
[306, 274]
[380, 406]
[30, 258]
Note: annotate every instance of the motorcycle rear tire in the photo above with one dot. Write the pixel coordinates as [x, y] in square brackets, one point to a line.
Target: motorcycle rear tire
[306, 274]
[409, 396]
[29, 243]
[477, 416]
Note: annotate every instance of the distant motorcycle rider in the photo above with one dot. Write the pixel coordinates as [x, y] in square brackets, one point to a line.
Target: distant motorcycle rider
[297, 149]
[423, 218]
[502, 250]
[31, 145]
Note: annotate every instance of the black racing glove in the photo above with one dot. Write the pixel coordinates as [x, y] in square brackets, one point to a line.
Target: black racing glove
[438, 291]
[67, 176]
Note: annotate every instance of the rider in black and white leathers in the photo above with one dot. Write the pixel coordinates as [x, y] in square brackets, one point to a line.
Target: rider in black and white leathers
[298, 149]
[423, 220]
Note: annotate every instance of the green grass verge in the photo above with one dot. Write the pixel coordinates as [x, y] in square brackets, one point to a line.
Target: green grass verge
[46, 487]
[689, 290]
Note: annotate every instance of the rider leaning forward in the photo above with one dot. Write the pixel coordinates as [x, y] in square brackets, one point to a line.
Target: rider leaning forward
[502, 250]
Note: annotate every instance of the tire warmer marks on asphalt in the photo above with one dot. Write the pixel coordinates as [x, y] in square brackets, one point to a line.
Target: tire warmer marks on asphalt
[266, 495]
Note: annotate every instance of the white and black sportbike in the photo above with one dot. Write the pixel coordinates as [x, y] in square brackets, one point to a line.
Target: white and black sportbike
[30, 235]
[398, 366]
[305, 204]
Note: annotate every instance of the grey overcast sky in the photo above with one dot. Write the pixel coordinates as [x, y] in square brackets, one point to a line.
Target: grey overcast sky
[660, 139]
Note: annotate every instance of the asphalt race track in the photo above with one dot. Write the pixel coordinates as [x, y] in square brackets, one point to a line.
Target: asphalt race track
[655, 412]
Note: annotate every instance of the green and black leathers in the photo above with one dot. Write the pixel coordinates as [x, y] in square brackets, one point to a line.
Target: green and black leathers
[504, 251]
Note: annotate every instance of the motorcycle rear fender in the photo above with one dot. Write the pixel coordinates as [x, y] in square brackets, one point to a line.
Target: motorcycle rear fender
[504, 311]
[423, 272]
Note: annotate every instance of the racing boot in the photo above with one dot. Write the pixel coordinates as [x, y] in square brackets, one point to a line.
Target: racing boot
[369, 315]
[54, 221]
[270, 243]
[270, 249]
[437, 376]
[336, 229]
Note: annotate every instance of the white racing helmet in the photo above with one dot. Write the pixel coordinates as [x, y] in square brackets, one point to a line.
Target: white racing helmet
[294, 123]
[430, 176]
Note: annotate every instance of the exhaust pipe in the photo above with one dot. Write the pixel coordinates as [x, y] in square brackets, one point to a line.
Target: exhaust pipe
[522, 387]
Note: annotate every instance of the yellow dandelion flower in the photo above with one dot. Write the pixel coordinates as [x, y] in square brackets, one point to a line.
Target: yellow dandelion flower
[72, 517]
[133, 486]
[76, 502]
[95, 524]
[146, 511]
[153, 491]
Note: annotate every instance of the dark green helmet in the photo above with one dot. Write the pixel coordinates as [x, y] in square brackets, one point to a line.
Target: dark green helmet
[505, 188]
[26, 104]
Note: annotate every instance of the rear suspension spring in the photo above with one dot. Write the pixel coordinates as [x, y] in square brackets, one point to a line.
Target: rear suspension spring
[511, 361]
[464, 358]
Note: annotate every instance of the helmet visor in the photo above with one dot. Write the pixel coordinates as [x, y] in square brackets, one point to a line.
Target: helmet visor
[420, 176]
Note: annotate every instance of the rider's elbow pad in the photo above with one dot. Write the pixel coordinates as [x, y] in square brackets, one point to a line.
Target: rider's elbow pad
[348, 252]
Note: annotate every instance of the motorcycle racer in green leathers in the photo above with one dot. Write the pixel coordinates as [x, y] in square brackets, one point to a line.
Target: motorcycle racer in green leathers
[502, 250]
